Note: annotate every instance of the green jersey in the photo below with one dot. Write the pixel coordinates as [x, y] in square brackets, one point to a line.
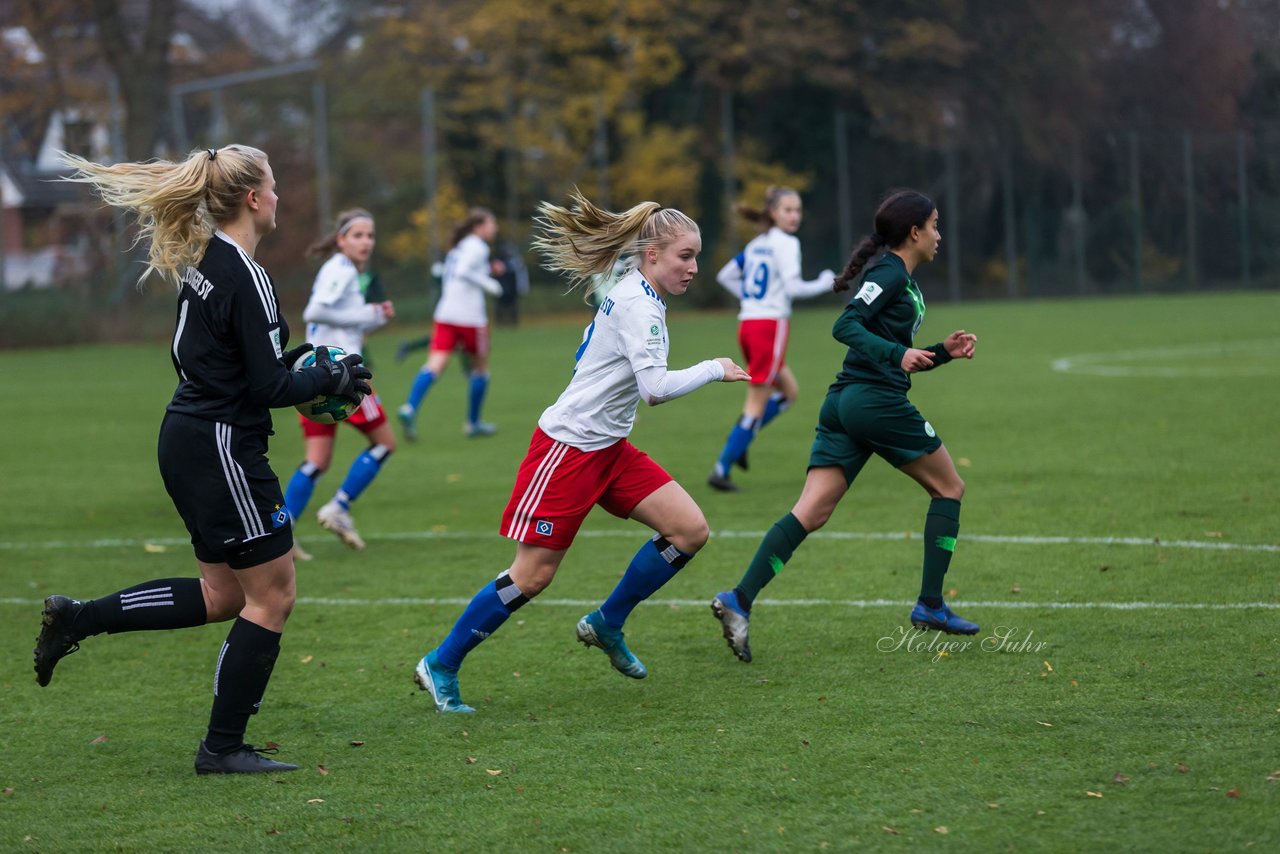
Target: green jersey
[879, 325]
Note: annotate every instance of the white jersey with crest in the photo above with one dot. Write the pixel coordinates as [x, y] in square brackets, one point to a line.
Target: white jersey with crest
[465, 282]
[628, 334]
[765, 276]
[337, 313]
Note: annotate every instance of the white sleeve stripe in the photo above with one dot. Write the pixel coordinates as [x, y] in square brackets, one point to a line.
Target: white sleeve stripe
[237, 483]
[262, 284]
[528, 505]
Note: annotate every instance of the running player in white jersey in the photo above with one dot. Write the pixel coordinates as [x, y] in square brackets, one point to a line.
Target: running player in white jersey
[461, 321]
[766, 277]
[339, 313]
[579, 455]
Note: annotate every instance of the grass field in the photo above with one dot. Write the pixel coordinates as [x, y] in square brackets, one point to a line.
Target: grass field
[1119, 546]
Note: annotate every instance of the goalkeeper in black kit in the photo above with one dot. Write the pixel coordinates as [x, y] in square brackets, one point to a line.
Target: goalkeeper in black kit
[204, 217]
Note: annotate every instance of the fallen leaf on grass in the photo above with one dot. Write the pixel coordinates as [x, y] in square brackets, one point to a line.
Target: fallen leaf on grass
[1044, 723]
[1121, 779]
[102, 739]
[1094, 794]
[324, 772]
[1015, 589]
[316, 801]
[1182, 769]
[887, 829]
[953, 593]
[993, 805]
[357, 744]
[8, 790]
[1233, 793]
[271, 745]
[1048, 666]
[1214, 534]
[471, 760]
[306, 659]
[154, 548]
[964, 462]
[493, 772]
[942, 828]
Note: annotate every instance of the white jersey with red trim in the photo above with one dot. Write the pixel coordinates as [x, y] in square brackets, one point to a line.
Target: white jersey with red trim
[337, 313]
[465, 282]
[765, 276]
[628, 334]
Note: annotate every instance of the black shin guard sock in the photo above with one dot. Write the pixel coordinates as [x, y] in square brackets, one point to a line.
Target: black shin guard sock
[166, 603]
[239, 682]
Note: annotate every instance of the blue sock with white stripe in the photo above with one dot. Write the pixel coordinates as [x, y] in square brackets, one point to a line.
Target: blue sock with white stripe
[362, 472]
[301, 485]
[654, 565]
[736, 445]
[777, 405]
[166, 603]
[487, 611]
[421, 385]
[475, 396]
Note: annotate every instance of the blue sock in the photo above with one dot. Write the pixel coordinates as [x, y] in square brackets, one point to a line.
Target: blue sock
[487, 611]
[475, 397]
[777, 405]
[736, 445]
[421, 385]
[654, 565]
[363, 471]
[301, 485]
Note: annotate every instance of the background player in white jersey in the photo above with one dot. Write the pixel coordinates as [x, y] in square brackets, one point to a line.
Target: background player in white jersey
[461, 321]
[579, 455]
[339, 313]
[204, 218]
[766, 277]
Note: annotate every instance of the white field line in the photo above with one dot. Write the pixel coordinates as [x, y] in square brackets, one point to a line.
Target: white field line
[1003, 539]
[1149, 363]
[457, 601]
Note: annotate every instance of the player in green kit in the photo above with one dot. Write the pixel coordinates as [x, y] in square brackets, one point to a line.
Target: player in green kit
[866, 412]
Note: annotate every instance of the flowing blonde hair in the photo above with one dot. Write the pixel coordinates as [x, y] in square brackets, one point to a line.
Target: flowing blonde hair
[586, 243]
[178, 205]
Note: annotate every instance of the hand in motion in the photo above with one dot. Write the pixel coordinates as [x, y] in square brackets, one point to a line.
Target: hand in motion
[914, 361]
[732, 373]
[961, 344]
[347, 377]
[388, 309]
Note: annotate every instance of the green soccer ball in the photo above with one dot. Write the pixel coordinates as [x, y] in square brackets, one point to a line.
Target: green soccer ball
[324, 408]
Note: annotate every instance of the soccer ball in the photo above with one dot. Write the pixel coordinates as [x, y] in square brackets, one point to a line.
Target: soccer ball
[325, 408]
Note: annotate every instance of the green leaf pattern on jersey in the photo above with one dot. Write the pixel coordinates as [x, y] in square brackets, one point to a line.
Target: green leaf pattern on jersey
[917, 298]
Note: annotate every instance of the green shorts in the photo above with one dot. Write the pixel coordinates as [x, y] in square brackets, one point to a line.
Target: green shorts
[860, 420]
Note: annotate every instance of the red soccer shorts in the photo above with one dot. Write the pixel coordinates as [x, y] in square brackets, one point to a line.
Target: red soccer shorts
[367, 418]
[447, 337]
[764, 344]
[557, 486]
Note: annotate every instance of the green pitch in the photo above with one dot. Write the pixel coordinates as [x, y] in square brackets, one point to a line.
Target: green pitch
[1119, 547]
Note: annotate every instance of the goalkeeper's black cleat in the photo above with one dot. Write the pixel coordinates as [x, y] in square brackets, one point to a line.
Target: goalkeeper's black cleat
[245, 759]
[57, 637]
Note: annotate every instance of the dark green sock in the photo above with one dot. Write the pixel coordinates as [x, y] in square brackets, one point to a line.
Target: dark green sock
[775, 550]
[941, 527]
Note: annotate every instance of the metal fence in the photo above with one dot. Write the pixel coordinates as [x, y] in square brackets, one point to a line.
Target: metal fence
[1124, 212]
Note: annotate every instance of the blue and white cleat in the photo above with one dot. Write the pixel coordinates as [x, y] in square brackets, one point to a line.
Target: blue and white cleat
[593, 631]
[730, 614]
[441, 683]
[941, 619]
[406, 415]
[474, 429]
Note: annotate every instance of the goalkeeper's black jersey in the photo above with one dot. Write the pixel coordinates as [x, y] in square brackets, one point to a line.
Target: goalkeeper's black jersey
[228, 343]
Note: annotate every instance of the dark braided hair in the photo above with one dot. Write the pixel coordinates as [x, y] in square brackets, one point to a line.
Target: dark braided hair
[901, 211]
